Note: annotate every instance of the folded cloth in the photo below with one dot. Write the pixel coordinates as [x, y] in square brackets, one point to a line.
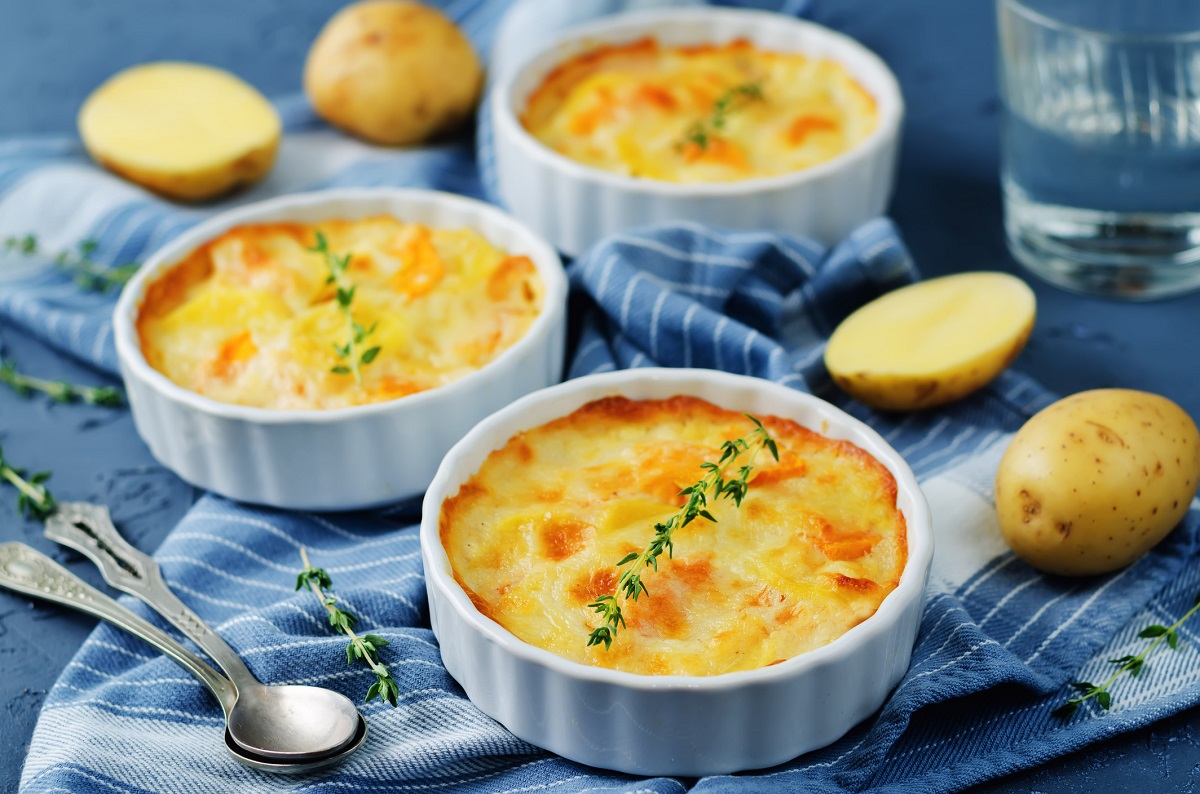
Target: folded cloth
[997, 642]
[997, 645]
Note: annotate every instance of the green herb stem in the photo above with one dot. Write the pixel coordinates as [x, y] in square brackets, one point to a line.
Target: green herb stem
[88, 273]
[363, 648]
[59, 391]
[700, 132]
[14, 477]
[1125, 664]
[629, 583]
[356, 334]
[34, 500]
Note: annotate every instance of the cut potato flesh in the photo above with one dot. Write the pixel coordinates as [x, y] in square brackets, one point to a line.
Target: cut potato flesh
[932, 342]
[184, 130]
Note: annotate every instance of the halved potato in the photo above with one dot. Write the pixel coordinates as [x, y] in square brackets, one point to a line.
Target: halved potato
[932, 342]
[187, 131]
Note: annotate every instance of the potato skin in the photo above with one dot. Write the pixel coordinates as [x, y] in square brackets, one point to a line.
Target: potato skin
[151, 124]
[393, 72]
[202, 185]
[909, 393]
[932, 342]
[1094, 481]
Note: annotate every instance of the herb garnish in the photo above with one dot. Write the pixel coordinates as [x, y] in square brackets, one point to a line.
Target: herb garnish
[89, 274]
[630, 584]
[737, 97]
[34, 500]
[1128, 663]
[365, 647]
[356, 333]
[59, 390]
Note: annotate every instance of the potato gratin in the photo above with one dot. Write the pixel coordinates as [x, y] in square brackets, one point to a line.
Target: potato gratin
[250, 317]
[534, 536]
[713, 113]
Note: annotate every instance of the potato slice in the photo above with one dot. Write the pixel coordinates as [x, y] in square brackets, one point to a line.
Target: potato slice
[186, 131]
[932, 342]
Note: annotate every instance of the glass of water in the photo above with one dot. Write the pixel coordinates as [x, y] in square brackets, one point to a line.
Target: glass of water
[1100, 143]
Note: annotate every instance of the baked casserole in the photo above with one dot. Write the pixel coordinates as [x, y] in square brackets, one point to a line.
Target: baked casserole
[534, 536]
[699, 113]
[250, 317]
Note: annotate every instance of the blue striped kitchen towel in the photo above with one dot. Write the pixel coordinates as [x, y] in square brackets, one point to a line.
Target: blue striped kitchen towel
[997, 644]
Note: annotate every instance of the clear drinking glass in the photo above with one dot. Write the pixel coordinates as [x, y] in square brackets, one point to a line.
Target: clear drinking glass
[1100, 142]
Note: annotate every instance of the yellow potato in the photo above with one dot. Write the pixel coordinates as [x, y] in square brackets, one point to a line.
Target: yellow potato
[187, 131]
[932, 342]
[1094, 481]
[392, 72]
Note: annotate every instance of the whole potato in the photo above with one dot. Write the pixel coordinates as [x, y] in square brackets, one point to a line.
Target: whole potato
[392, 72]
[1095, 480]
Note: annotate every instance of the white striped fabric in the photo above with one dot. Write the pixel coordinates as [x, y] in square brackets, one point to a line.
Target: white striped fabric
[998, 642]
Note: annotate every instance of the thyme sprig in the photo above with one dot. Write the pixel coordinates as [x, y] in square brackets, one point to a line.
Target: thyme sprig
[700, 132]
[363, 648]
[34, 500]
[356, 334]
[88, 273]
[1125, 664]
[714, 482]
[58, 390]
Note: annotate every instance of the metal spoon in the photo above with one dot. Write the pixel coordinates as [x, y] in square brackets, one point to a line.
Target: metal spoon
[28, 571]
[279, 723]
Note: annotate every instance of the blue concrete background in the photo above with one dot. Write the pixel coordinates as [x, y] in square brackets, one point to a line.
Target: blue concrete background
[53, 52]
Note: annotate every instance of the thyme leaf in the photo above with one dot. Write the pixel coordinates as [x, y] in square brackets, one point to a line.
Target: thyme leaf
[34, 500]
[700, 132]
[364, 648]
[1132, 664]
[58, 390]
[89, 274]
[356, 335]
[714, 483]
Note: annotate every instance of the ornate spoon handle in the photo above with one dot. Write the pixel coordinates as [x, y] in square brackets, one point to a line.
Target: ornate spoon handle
[89, 529]
[28, 571]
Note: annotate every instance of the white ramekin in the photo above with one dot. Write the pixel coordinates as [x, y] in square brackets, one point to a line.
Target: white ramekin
[675, 725]
[574, 205]
[347, 458]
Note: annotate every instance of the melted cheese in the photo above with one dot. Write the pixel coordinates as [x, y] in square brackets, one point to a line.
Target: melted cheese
[534, 536]
[634, 109]
[250, 318]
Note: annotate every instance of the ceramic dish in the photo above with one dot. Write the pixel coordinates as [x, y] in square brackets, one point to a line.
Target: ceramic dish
[675, 725]
[574, 205]
[346, 458]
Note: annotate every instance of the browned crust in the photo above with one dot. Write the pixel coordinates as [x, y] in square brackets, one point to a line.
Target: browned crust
[683, 577]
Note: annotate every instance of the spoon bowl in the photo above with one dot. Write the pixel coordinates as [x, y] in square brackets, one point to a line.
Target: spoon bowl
[285, 723]
[28, 571]
[299, 764]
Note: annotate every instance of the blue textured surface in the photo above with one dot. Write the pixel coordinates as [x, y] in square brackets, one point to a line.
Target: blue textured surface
[53, 52]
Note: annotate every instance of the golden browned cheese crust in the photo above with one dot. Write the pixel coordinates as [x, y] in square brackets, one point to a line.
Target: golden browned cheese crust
[534, 536]
[699, 114]
[250, 317]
